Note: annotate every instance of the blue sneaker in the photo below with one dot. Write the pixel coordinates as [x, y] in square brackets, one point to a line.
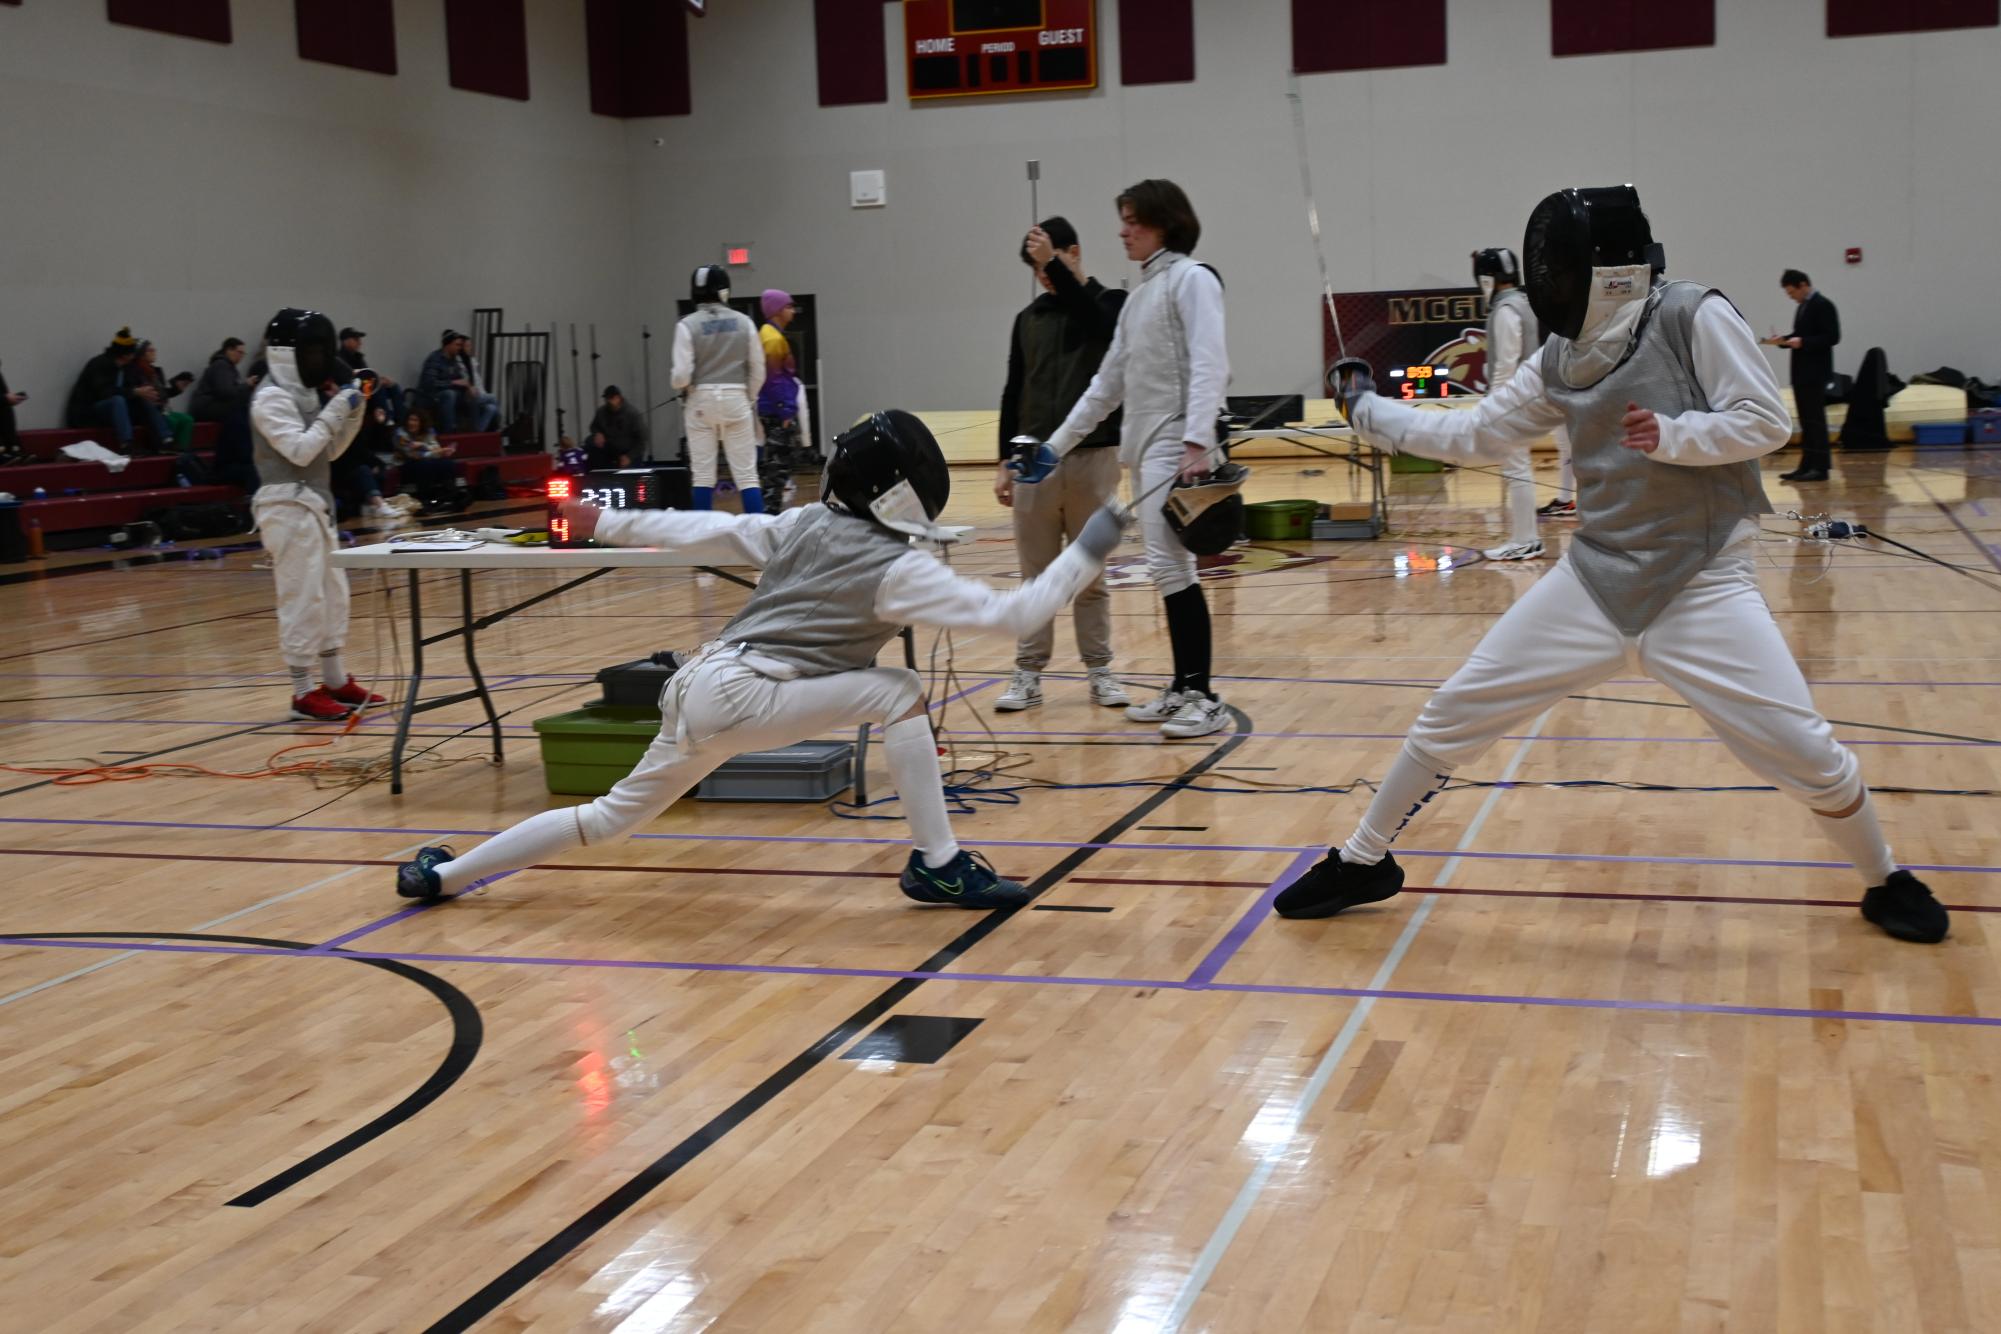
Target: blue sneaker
[418, 879]
[967, 881]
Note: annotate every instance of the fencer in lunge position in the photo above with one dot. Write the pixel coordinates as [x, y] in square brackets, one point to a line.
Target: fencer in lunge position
[1669, 405]
[1169, 366]
[295, 439]
[1511, 339]
[840, 577]
[719, 368]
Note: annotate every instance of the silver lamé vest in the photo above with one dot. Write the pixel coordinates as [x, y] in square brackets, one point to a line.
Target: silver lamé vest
[1503, 299]
[721, 340]
[274, 470]
[814, 608]
[1647, 527]
[1156, 353]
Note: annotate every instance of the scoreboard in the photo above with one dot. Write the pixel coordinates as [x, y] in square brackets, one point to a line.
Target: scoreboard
[970, 48]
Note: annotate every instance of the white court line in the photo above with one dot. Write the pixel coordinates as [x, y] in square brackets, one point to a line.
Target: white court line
[223, 920]
[1280, 1146]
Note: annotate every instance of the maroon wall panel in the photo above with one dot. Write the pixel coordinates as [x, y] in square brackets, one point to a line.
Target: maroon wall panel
[486, 46]
[1595, 27]
[1156, 41]
[1866, 18]
[848, 44]
[638, 53]
[206, 19]
[360, 34]
[1331, 35]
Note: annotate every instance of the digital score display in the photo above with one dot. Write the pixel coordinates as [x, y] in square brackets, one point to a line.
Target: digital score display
[609, 489]
[1414, 382]
[977, 48]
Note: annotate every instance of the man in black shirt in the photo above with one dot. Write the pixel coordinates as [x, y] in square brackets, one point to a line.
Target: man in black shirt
[1816, 329]
[1057, 344]
[618, 433]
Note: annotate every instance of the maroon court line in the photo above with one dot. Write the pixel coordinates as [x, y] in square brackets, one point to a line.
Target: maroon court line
[1030, 979]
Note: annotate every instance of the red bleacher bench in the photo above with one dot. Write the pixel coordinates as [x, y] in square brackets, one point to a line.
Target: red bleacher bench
[48, 444]
[67, 514]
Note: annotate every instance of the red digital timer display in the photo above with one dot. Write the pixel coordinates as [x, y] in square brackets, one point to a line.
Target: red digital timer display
[974, 48]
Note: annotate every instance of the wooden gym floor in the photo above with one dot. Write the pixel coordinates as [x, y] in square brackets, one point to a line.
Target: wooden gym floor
[1621, 1060]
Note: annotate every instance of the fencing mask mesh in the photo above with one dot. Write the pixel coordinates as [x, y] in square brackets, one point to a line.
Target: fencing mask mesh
[711, 282]
[1207, 514]
[1573, 232]
[889, 469]
[310, 335]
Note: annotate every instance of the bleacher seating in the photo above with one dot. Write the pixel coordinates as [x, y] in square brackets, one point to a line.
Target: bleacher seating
[104, 499]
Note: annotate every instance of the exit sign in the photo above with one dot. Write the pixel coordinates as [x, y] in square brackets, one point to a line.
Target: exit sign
[737, 256]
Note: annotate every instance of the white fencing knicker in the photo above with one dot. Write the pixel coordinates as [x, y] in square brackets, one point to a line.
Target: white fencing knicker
[721, 412]
[312, 590]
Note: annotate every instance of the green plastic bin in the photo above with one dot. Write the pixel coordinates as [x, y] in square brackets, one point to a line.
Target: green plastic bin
[1414, 463]
[587, 750]
[1281, 520]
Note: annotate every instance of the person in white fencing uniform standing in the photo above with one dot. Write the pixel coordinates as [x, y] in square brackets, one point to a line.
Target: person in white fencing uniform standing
[1168, 365]
[295, 440]
[840, 577]
[1669, 405]
[1511, 339]
[719, 367]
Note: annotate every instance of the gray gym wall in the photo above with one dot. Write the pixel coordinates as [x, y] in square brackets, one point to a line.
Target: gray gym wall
[188, 189]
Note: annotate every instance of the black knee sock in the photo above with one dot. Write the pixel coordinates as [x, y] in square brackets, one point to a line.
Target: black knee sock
[1188, 635]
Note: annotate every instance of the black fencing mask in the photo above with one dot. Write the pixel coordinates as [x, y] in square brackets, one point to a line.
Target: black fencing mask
[1573, 232]
[310, 335]
[711, 283]
[1495, 264]
[889, 469]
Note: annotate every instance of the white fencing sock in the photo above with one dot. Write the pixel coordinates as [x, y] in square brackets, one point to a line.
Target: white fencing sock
[1861, 840]
[333, 674]
[911, 753]
[302, 680]
[1411, 783]
[535, 839]
[1520, 488]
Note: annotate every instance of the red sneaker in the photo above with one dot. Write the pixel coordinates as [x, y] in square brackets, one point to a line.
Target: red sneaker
[354, 694]
[318, 706]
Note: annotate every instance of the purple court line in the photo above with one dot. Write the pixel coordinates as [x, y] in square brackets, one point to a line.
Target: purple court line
[1399, 736]
[1039, 979]
[1064, 845]
[401, 914]
[1233, 940]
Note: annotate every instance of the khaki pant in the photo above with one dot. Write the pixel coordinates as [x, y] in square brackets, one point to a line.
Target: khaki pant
[1044, 515]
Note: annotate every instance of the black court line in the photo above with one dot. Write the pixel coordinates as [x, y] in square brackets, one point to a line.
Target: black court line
[1068, 907]
[1177, 828]
[468, 1032]
[601, 1215]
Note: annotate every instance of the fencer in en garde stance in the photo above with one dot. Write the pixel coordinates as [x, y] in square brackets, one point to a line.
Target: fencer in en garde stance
[296, 438]
[1669, 405]
[840, 577]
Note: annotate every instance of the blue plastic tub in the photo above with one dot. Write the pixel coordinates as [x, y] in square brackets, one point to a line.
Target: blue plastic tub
[1940, 433]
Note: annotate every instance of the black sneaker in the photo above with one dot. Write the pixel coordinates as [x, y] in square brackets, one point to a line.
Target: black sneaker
[1904, 907]
[1558, 509]
[418, 878]
[1332, 885]
[967, 881]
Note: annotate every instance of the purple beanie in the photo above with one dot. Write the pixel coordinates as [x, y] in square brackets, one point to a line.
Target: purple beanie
[774, 301]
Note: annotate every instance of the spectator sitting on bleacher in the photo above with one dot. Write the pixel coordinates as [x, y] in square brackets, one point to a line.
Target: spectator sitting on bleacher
[222, 388]
[428, 467]
[618, 433]
[103, 396]
[172, 430]
[10, 437]
[388, 394]
[450, 386]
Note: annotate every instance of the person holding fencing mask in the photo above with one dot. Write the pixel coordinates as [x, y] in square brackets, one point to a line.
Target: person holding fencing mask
[1168, 366]
[300, 423]
[1669, 405]
[719, 367]
[839, 578]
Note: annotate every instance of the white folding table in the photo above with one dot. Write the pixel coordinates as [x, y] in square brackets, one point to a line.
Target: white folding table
[577, 565]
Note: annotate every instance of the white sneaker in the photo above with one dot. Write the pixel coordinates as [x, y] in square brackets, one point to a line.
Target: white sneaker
[381, 509]
[1199, 716]
[1023, 692]
[1516, 551]
[1106, 690]
[1158, 709]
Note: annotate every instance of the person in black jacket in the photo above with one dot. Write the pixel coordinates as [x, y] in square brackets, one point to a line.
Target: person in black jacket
[1816, 329]
[103, 395]
[617, 437]
[1057, 344]
[10, 437]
